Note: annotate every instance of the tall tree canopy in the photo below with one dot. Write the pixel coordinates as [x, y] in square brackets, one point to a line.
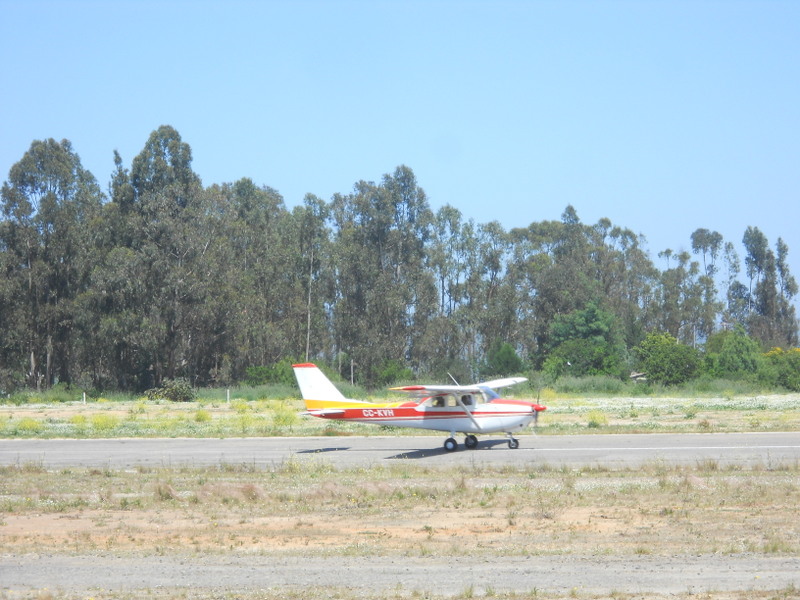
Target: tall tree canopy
[167, 278]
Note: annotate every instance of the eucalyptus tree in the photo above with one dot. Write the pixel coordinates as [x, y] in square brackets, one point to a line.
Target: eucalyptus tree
[757, 248]
[49, 203]
[709, 244]
[560, 272]
[492, 297]
[772, 319]
[447, 253]
[685, 310]
[155, 276]
[737, 295]
[384, 296]
[709, 308]
[626, 275]
[447, 339]
[787, 290]
[261, 264]
[312, 283]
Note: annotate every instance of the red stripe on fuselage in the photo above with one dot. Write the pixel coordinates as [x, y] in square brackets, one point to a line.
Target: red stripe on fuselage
[410, 413]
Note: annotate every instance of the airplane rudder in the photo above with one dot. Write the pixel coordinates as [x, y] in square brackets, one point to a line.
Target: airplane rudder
[314, 385]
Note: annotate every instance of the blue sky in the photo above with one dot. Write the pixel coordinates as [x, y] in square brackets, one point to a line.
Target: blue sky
[662, 116]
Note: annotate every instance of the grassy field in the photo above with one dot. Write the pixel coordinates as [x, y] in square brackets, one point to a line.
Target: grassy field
[249, 416]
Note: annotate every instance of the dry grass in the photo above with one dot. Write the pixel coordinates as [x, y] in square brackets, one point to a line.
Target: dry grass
[312, 509]
[328, 593]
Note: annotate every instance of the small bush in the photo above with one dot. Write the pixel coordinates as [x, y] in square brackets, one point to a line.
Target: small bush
[240, 406]
[283, 416]
[667, 361]
[280, 372]
[596, 418]
[78, 420]
[174, 390]
[28, 425]
[20, 398]
[60, 393]
[603, 385]
[103, 422]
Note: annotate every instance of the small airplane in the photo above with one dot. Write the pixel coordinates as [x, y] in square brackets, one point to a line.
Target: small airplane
[467, 409]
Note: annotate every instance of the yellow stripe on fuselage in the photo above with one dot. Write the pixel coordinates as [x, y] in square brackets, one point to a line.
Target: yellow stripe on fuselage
[327, 404]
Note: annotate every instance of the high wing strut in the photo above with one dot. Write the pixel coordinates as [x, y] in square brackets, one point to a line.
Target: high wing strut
[469, 414]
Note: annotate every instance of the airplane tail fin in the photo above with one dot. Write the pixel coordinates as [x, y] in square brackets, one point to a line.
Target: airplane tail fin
[321, 397]
[314, 385]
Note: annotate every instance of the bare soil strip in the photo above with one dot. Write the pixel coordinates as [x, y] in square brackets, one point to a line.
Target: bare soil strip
[709, 531]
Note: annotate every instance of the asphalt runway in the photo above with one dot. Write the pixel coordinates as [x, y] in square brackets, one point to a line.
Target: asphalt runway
[573, 451]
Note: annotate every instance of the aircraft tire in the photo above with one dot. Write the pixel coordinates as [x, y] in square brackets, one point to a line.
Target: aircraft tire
[513, 443]
[471, 442]
[450, 445]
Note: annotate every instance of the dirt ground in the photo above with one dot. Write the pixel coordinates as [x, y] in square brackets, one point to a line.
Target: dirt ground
[701, 532]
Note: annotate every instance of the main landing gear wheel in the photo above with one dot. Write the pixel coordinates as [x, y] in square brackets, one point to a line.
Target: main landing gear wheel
[450, 444]
[513, 443]
[471, 442]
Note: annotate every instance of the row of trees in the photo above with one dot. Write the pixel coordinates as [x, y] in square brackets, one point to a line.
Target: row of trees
[163, 278]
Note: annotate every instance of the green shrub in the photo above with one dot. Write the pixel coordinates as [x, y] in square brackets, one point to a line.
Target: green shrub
[28, 425]
[104, 422]
[596, 418]
[734, 355]
[392, 371]
[258, 375]
[665, 360]
[605, 385]
[283, 416]
[280, 372]
[502, 360]
[60, 393]
[175, 390]
[78, 421]
[786, 365]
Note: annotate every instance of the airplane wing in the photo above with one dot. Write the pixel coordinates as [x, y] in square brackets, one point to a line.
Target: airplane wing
[422, 391]
[500, 383]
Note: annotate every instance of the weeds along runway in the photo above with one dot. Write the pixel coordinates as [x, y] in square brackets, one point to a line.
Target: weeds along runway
[116, 549]
[570, 451]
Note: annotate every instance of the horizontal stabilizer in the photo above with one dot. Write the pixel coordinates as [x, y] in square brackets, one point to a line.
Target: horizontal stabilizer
[326, 412]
